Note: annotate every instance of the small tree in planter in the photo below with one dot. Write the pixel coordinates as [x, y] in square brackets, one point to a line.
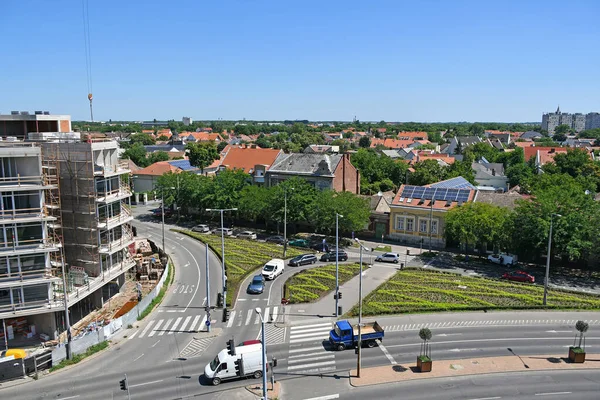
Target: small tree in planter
[424, 359]
[577, 353]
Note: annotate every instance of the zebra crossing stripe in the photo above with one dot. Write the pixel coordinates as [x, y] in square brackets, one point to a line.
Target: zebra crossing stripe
[185, 322]
[175, 325]
[165, 327]
[231, 318]
[275, 313]
[202, 324]
[146, 328]
[194, 322]
[158, 324]
[248, 316]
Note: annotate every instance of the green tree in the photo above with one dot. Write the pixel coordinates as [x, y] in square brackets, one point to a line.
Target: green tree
[354, 209]
[162, 138]
[222, 144]
[226, 188]
[426, 172]
[578, 164]
[158, 156]
[300, 200]
[481, 149]
[142, 138]
[461, 168]
[477, 130]
[521, 175]
[364, 142]
[562, 130]
[202, 154]
[137, 154]
[254, 203]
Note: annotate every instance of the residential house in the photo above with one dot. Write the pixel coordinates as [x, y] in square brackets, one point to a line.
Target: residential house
[379, 220]
[531, 135]
[381, 130]
[542, 155]
[145, 179]
[417, 213]
[323, 171]
[507, 200]
[459, 143]
[393, 154]
[504, 137]
[191, 137]
[393, 143]
[490, 175]
[174, 151]
[319, 148]
[412, 136]
[251, 159]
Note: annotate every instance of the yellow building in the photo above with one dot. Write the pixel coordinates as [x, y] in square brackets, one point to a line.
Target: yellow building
[417, 213]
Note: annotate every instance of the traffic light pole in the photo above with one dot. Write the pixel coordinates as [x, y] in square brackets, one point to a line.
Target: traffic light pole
[127, 387]
[207, 292]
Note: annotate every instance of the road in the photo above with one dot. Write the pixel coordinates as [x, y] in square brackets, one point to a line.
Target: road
[550, 385]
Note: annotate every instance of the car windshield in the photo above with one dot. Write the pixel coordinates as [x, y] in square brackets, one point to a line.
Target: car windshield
[337, 331]
[268, 268]
[214, 363]
[297, 258]
[257, 280]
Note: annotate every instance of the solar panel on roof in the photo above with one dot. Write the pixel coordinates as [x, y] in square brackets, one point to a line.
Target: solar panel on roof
[419, 191]
[429, 193]
[408, 191]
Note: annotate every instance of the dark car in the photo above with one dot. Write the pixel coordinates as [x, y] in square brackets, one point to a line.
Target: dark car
[320, 246]
[299, 243]
[158, 212]
[519, 276]
[303, 259]
[257, 285]
[330, 256]
[275, 239]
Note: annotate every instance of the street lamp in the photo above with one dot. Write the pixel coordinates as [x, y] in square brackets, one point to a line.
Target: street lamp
[358, 361]
[285, 221]
[221, 210]
[162, 212]
[337, 254]
[548, 258]
[264, 352]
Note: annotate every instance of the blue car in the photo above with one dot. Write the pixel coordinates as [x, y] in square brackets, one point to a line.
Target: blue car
[257, 285]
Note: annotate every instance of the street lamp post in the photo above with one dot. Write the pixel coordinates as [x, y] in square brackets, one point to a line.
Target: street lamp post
[548, 257]
[358, 360]
[337, 253]
[222, 210]
[264, 352]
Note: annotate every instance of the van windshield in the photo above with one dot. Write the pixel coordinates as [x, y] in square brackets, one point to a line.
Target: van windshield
[337, 331]
[214, 363]
[269, 268]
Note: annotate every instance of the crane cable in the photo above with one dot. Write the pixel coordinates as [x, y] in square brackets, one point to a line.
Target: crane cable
[88, 53]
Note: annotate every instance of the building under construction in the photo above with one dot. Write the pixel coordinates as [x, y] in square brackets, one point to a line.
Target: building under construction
[83, 216]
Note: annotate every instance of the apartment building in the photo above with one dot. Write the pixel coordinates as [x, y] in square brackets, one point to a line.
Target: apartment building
[578, 121]
[19, 124]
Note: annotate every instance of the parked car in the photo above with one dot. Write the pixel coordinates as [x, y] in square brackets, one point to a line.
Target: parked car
[247, 235]
[275, 239]
[389, 257]
[201, 228]
[299, 243]
[302, 259]
[320, 246]
[502, 259]
[257, 285]
[342, 256]
[158, 212]
[273, 268]
[226, 231]
[249, 342]
[519, 276]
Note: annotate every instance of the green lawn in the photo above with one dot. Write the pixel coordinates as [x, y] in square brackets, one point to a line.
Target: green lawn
[311, 284]
[242, 257]
[414, 290]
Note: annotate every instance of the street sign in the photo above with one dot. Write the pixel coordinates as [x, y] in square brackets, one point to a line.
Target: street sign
[207, 323]
[352, 235]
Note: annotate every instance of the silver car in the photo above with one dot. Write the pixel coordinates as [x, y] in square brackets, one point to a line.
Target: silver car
[389, 257]
[226, 231]
[201, 228]
[247, 235]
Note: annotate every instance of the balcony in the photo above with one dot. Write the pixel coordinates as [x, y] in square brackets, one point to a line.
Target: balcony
[28, 246]
[123, 217]
[121, 167]
[118, 244]
[21, 182]
[121, 193]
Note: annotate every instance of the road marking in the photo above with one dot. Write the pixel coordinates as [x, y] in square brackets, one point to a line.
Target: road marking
[231, 317]
[387, 354]
[293, 367]
[322, 329]
[172, 311]
[492, 340]
[310, 339]
[311, 358]
[146, 383]
[310, 326]
[553, 331]
[155, 343]
[158, 324]
[140, 356]
[488, 398]
[449, 334]
[185, 322]
[175, 325]
[328, 397]
[196, 318]
[307, 354]
[202, 324]
[248, 317]
[257, 319]
[275, 313]
[134, 333]
[551, 394]
[306, 349]
[266, 314]
[67, 398]
[242, 299]
[309, 334]
[164, 328]
[197, 267]
[204, 302]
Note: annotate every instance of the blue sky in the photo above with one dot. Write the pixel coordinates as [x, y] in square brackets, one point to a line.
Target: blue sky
[319, 60]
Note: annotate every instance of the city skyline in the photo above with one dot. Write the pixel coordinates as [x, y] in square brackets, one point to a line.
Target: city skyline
[430, 62]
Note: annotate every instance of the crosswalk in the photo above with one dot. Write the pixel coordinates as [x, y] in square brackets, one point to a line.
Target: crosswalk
[307, 354]
[309, 333]
[196, 347]
[243, 317]
[169, 326]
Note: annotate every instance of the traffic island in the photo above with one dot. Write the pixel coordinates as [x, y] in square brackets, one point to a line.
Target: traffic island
[273, 391]
[475, 366]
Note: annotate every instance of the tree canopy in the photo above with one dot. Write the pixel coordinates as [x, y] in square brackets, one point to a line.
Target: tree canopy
[202, 154]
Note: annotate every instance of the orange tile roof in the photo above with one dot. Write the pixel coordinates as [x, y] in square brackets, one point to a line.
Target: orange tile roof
[246, 158]
[422, 156]
[412, 135]
[164, 132]
[381, 130]
[203, 136]
[157, 169]
[437, 205]
[391, 143]
[528, 143]
[532, 151]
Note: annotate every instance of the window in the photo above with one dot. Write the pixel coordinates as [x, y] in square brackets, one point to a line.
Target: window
[400, 223]
[423, 226]
[224, 367]
[410, 224]
[434, 227]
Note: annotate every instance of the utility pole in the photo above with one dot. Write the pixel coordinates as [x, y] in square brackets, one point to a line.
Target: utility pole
[285, 221]
[66, 299]
[359, 359]
[548, 258]
[207, 292]
[224, 278]
[337, 253]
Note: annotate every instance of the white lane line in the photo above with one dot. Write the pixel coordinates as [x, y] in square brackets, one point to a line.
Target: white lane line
[387, 354]
[185, 322]
[310, 326]
[306, 349]
[242, 299]
[311, 359]
[328, 397]
[165, 327]
[248, 317]
[491, 340]
[257, 319]
[175, 325]
[140, 356]
[155, 343]
[145, 383]
[158, 324]
[231, 318]
[202, 324]
[266, 314]
[134, 333]
[194, 322]
[551, 394]
[67, 398]
[204, 302]
[487, 398]
[197, 267]
[275, 313]
[305, 366]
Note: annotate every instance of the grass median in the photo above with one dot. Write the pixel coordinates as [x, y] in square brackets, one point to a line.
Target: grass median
[312, 284]
[242, 257]
[415, 290]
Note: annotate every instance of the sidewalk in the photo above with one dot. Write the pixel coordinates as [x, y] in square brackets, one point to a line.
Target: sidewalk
[464, 367]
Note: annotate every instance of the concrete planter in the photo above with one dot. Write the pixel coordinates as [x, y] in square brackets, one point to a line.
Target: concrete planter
[424, 366]
[576, 357]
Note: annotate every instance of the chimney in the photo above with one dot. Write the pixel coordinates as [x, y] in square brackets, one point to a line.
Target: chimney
[493, 172]
[552, 150]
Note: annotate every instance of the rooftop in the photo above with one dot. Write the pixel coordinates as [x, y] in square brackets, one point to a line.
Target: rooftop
[246, 158]
[306, 164]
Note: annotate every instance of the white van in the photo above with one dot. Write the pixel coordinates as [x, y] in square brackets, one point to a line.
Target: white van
[247, 359]
[273, 268]
[503, 259]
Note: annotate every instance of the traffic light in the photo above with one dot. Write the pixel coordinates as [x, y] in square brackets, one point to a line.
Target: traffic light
[274, 362]
[226, 314]
[239, 367]
[231, 347]
[408, 252]
[123, 384]
[339, 295]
